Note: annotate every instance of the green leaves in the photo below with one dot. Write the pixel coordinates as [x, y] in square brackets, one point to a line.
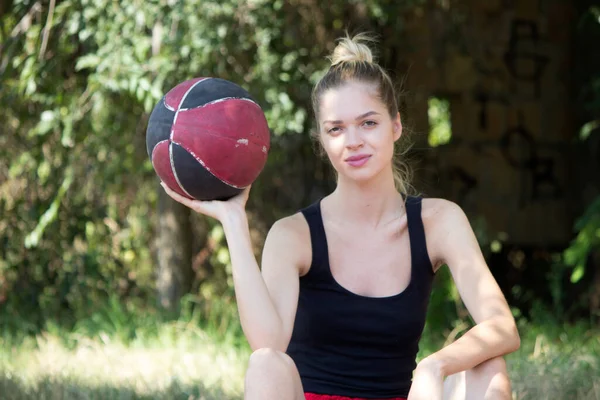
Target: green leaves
[77, 191]
[587, 240]
[588, 128]
[50, 215]
[48, 121]
[440, 131]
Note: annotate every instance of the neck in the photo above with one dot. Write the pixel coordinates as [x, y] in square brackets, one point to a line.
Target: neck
[369, 203]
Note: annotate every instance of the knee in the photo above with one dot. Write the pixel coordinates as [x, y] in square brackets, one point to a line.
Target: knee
[267, 359]
[493, 374]
[272, 374]
[269, 368]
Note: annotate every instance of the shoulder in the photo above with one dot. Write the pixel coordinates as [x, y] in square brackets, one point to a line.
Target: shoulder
[289, 237]
[292, 227]
[445, 223]
[436, 211]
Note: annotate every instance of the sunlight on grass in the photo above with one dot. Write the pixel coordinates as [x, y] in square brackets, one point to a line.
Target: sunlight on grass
[190, 368]
[564, 364]
[181, 361]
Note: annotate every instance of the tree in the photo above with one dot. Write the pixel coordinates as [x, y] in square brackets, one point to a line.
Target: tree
[174, 249]
[81, 78]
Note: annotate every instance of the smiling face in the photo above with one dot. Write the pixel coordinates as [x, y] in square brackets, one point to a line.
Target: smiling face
[357, 131]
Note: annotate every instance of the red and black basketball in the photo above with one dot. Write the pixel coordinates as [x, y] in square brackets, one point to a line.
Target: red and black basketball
[207, 139]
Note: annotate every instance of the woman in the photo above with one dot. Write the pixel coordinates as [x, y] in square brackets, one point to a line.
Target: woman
[340, 305]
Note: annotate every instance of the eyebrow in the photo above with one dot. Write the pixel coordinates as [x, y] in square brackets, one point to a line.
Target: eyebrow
[365, 115]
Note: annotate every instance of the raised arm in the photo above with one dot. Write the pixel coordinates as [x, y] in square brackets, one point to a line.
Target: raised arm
[266, 302]
[286, 256]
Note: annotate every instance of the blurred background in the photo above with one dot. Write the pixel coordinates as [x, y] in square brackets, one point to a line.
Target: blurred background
[108, 289]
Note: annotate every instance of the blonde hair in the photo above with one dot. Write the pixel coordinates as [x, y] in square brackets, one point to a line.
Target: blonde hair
[353, 60]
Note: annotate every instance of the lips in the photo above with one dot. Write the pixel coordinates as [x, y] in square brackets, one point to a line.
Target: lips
[358, 160]
[357, 157]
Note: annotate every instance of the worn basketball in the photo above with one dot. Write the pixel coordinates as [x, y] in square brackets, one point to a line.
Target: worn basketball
[207, 139]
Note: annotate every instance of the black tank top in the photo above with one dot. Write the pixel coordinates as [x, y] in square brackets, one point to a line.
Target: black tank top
[350, 345]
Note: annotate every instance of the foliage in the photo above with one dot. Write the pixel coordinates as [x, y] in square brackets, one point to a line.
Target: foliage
[77, 192]
[587, 227]
[556, 361]
[440, 129]
[586, 241]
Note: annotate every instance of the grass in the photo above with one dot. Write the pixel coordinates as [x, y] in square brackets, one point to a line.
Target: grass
[188, 365]
[556, 362]
[175, 359]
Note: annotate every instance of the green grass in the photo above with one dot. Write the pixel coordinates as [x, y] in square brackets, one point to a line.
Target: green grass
[556, 362]
[181, 363]
[127, 354]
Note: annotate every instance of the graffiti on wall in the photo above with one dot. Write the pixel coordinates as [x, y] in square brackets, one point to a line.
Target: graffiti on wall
[508, 156]
[524, 62]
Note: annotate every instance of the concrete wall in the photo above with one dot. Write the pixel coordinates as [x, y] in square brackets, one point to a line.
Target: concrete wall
[505, 70]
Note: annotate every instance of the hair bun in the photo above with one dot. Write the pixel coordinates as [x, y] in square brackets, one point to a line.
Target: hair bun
[355, 49]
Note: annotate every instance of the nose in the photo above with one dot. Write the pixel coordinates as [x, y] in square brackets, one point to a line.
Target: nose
[353, 139]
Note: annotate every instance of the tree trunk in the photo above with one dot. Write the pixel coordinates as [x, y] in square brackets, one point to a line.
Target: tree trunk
[174, 251]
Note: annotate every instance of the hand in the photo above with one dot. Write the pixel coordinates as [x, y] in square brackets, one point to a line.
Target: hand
[428, 382]
[217, 209]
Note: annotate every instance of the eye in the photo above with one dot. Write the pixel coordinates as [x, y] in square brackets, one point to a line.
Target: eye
[370, 123]
[335, 129]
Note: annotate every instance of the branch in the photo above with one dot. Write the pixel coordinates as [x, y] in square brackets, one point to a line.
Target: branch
[47, 29]
[25, 22]
[22, 27]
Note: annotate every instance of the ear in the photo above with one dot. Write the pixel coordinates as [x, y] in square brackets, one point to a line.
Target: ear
[397, 126]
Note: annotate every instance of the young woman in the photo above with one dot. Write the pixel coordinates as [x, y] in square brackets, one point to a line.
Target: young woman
[340, 305]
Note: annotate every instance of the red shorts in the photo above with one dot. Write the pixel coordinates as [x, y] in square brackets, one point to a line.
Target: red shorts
[313, 396]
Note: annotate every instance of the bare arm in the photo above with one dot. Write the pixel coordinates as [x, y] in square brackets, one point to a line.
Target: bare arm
[266, 303]
[451, 241]
[267, 306]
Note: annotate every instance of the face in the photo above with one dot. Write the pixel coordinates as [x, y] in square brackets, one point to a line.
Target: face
[357, 132]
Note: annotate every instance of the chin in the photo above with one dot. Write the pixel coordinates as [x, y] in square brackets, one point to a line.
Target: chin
[364, 174]
[359, 176]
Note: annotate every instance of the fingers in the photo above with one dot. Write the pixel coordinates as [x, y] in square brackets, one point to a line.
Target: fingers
[244, 193]
[196, 205]
[177, 197]
[203, 207]
[215, 209]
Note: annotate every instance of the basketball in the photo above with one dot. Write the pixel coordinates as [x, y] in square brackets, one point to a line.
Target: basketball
[207, 139]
